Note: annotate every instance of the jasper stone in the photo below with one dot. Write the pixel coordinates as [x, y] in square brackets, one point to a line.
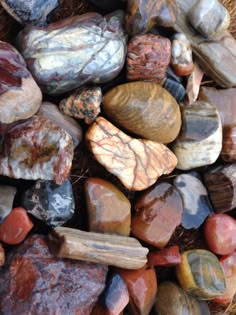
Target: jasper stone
[197, 206]
[7, 195]
[36, 282]
[175, 88]
[148, 57]
[166, 257]
[20, 97]
[78, 50]
[144, 108]
[83, 104]
[31, 11]
[137, 163]
[158, 213]
[109, 211]
[143, 15]
[51, 203]
[37, 149]
[200, 140]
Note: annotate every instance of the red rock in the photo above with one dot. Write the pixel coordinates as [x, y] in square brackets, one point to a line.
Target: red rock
[220, 233]
[166, 257]
[36, 282]
[2, 256]
[15, 227]
[158, 213]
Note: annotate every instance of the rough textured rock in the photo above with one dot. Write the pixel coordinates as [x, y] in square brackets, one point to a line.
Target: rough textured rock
[35, 282]
[7, 195]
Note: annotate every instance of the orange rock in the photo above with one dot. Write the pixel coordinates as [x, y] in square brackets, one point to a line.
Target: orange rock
[2, 256]
[166, 257]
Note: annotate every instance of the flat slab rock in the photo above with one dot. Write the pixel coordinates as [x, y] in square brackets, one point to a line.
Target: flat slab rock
[35, 282]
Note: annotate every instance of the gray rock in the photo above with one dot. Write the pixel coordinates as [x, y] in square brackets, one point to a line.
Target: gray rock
[7, 195]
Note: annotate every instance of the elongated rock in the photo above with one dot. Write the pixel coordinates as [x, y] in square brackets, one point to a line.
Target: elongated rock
[137, 163]
[7, 195]
[193, 85]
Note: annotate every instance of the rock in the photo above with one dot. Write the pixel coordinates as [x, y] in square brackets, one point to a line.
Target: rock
[167, 257]
[193, 85]
[176, 89]
[79, 50]
[142, 16]
[7, 195]
[36, 282]
[51, 203]
[144, 108]
[228, 152]
[20, 97]
[2, 256]
[181, 55]
[109, 211]
[158, 213]
[16, 226]
[197, 206]
[221, 185]
[70, 125]
[30, 12]
[148, 57]
[220, 234]
[200, 140]
[83, 104]
[209, 17]
[142, 286]
[137, 163]
[108, 5]
[37, 149]
[201, 274]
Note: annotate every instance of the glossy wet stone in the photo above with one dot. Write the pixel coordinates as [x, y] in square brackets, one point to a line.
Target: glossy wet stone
[166, 257]
[35, 281]
[2, 256]
[142, 16]
[158, 213]
[7, 195]
[51, 203]
[201, 274]
[79, 50]
[83, 104]
[20, 97]
[145, 109]
[200, 140]
[137, 163]
[109, 211]
[197, 206]
[148, 57]
[175, 88]
[193, 85]
[37, 149]
[30, 12]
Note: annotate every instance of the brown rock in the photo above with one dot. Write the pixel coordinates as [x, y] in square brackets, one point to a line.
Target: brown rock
[228, 152]
[109, 211]
[2, 256]
[144, 108]
[35, 282]
[137, 163]
[193, 84]
[148, 57]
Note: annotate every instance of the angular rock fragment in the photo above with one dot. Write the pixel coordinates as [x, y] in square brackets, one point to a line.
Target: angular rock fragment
[193, 85]
[166, 257]
[7, 195]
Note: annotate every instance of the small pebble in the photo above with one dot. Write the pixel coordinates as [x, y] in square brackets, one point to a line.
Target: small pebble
[167, 257]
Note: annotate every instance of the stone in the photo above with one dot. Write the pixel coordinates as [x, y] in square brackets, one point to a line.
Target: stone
[197, 206]
[228, 152]
[142, 16]
[181, 55]
[175, 88]
[108, 5]
[2, 256]
[158, 213]
[7, 195]
[79, 50]
[109, 211]
[20, 97]
[34, 281]
[166, 257]
[199, 142]
[193, 85]
[83, 104]
[69, 124]
[30, 12]
[221, 185]
[201, 274]
[145, 109]
[37, 149]
[137, 163]
[50, 203]
[209, 17]
[148, 57]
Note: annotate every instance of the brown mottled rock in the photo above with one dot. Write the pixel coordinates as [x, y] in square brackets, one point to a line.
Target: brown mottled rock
[193, 84]
[83, 104]
[36, 282]
[137, 163]
[2, 256]
[148, 57]
[109, 211]
[144, 108]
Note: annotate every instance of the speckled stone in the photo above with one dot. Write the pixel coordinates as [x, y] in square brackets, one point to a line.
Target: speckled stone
[7, 195]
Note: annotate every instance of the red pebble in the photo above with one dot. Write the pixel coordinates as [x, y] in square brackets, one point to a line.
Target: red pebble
[166, 257]
[15, 227]
[220, 233]
[2, 256]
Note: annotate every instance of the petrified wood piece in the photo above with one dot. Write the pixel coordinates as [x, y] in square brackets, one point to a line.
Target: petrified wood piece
[2, 256]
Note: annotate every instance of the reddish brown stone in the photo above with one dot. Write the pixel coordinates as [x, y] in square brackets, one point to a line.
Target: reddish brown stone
[166, 257]
[2, 256]
[228, 152]
[35, 282]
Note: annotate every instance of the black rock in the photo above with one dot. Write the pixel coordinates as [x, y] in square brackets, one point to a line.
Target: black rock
[175, 88]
